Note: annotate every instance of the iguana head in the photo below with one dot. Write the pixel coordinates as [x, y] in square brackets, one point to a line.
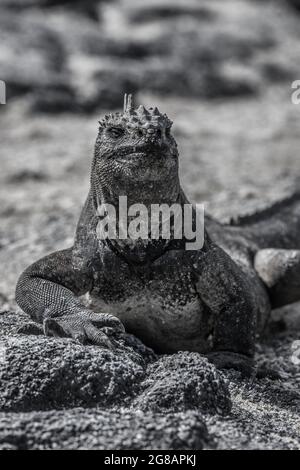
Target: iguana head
[136, 155]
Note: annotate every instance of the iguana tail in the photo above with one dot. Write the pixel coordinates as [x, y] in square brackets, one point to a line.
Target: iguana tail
[278, 226]
[276, 233]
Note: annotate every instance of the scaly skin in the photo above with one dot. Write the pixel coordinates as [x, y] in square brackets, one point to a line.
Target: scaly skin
[210, 300]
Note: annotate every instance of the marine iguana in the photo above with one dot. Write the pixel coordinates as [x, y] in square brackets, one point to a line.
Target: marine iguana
[214, 300]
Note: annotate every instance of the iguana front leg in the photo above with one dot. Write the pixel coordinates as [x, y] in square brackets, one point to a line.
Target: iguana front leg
[48, 291]
[227, 292]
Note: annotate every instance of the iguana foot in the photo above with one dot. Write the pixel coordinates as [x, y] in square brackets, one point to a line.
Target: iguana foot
[231, 360]
[85, 327]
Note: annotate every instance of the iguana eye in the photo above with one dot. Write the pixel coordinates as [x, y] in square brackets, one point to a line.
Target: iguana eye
[115, 132]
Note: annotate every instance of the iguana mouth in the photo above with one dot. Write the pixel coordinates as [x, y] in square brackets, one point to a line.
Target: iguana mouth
[141, 151]
[132, 155]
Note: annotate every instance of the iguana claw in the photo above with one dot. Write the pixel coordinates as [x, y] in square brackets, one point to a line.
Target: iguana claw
[84, 327]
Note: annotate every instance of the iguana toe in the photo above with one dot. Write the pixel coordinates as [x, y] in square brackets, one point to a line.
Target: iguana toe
[84, 328]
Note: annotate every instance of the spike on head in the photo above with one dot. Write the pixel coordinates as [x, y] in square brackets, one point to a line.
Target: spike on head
[128, 103]
[136, 119]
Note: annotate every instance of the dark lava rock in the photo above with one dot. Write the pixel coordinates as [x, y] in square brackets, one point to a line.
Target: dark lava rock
[144, 12]
[54, 100]
[39, 373]
[97, 429]
[184, 381]
[294, 3]
[27, 175]
[42, 373]
[87, 7]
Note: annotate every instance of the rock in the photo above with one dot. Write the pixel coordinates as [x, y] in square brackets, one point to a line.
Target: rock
[57, 376]
[56, 58]
[96, 429]
[88, 8]
[41, 66]
[53, 100]
[27, 175]
[294, 3]
[184, 381]
[167, 10]
[39, 373]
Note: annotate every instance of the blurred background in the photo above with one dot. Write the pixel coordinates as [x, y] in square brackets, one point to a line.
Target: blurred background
[221, 69]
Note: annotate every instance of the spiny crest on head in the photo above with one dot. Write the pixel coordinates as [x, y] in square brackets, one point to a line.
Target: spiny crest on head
[134, 118]
[128, 103]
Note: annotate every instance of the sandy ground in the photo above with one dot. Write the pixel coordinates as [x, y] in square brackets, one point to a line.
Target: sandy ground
[237, 154]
